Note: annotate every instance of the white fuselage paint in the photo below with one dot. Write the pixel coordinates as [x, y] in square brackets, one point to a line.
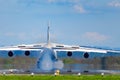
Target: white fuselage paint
[47, 61]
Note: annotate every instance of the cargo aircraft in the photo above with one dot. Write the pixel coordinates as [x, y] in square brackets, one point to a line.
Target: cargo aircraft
[48, 54]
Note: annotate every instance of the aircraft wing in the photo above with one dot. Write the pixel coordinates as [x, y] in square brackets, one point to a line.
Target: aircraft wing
[83, 52]
[13, 51]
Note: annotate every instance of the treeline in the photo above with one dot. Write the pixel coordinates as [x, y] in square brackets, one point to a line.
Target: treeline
[17, 63]
[108, 63]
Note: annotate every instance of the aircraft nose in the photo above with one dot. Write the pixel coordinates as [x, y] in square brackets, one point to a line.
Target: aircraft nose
[45, 62]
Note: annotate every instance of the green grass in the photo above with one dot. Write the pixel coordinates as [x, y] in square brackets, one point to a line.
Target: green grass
[61, 77]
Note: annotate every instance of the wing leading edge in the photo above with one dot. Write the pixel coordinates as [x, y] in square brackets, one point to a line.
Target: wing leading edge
[26, 50]
[83, 52]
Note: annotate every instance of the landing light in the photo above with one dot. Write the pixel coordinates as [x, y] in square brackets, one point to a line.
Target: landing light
[11, 71]
[57, 73]
[4, 73]
[102, 74]
[79, 74]
[32, 74]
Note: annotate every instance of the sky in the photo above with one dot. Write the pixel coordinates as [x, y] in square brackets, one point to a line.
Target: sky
[72, 22]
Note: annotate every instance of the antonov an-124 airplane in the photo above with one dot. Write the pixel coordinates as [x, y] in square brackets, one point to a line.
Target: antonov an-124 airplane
[48, 54]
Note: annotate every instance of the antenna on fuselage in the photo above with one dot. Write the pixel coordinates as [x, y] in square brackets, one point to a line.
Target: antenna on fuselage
[48, 33]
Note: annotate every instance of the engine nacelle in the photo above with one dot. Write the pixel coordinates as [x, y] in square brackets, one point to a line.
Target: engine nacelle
[69, 54]
[86, 55]
[10, 54]
[27, 53]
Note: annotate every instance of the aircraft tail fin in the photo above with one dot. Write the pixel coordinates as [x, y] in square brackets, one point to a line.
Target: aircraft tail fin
[48, 33]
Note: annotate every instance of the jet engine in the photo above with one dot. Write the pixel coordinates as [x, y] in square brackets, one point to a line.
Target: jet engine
[10, 54]
[86, 55]
[69, 54]
[27, 53]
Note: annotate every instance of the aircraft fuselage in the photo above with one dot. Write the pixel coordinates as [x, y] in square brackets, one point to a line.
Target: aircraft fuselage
[47, 60]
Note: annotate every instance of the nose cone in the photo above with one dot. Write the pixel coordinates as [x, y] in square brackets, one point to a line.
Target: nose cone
[46, 60]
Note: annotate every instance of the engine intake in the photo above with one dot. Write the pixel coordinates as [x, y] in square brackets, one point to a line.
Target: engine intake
[86, 55]
[69, 54]
[10, 53]
[27, 53]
